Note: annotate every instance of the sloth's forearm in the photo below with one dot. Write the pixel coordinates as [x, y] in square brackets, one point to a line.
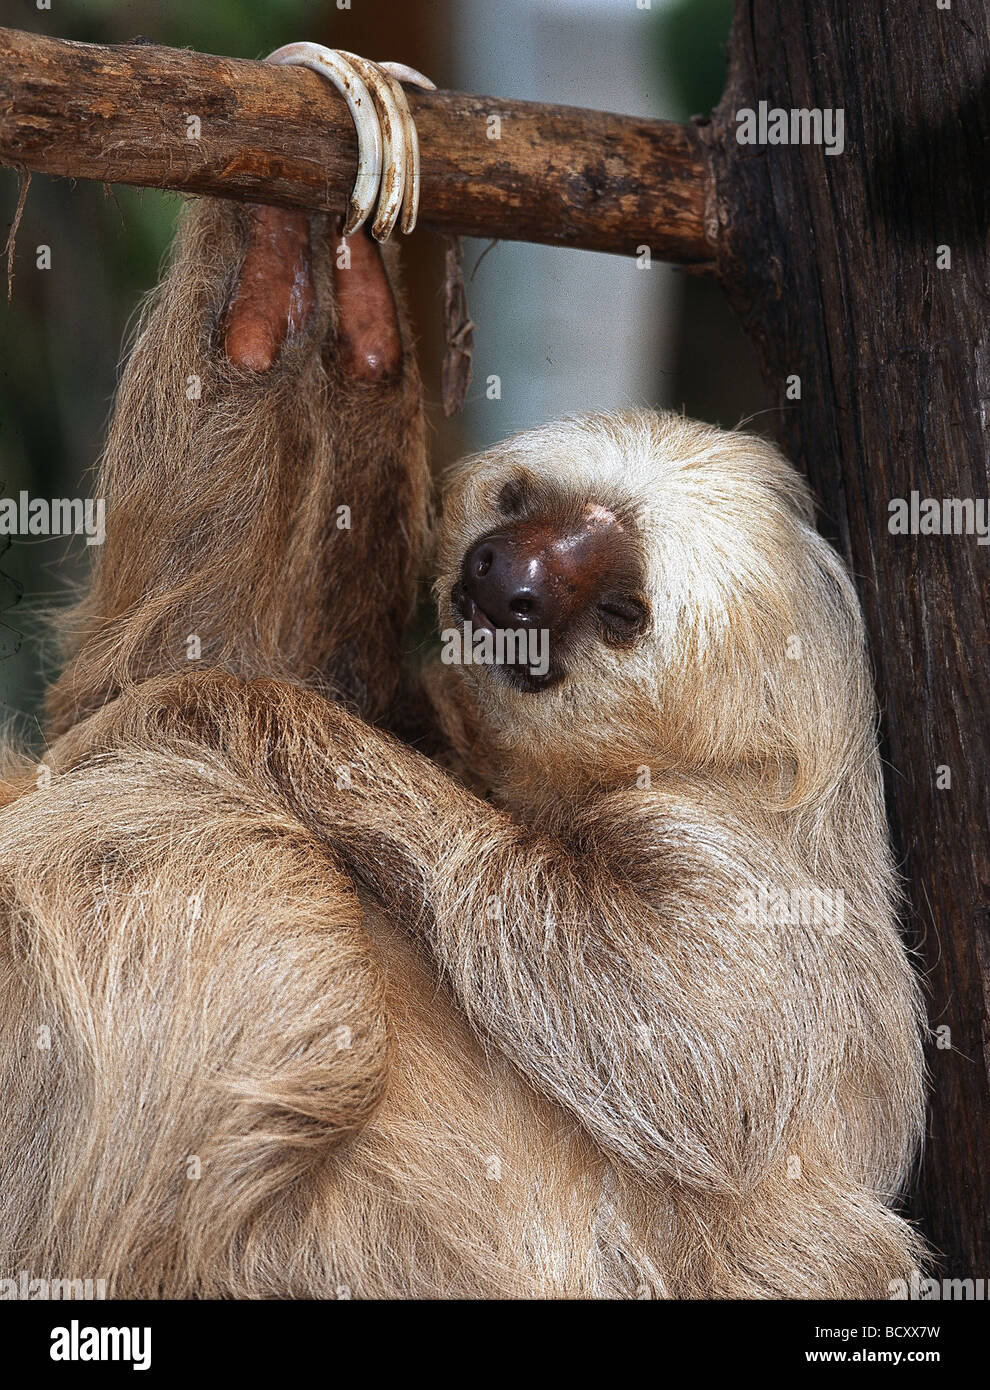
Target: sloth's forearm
[266, 447]
[558, 962]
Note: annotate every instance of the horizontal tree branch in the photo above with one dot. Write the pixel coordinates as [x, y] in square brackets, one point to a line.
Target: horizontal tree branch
[556, 174]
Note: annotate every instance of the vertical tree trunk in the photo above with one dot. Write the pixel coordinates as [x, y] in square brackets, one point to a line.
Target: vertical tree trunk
[833, 263]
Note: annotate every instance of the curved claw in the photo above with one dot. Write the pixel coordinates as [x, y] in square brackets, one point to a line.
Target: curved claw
[410, 190]
[388, 144]
[395, 144]
[399, 72]
[409, 76]
[342, 73]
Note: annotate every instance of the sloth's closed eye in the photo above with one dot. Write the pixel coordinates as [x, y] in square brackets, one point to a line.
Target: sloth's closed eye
[511, 500]
[622, 616]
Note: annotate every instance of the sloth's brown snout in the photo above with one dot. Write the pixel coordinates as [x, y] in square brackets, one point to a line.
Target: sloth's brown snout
[542, 573]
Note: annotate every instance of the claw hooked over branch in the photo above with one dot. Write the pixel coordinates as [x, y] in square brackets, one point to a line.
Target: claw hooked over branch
[388, 145]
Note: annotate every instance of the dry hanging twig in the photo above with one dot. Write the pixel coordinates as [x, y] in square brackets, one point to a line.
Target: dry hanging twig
[455, 374]
[22, 192]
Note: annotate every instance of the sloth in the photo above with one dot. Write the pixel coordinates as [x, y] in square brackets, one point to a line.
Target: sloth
[606, 999]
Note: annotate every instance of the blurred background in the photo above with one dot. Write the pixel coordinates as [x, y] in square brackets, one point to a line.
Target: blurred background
[564, 330]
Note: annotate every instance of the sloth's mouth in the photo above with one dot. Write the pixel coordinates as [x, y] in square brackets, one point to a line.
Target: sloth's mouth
[466, 610]
[503, 661]
[473, 613]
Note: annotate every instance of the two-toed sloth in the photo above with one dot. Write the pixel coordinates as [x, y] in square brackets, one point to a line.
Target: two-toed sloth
[288, 1009]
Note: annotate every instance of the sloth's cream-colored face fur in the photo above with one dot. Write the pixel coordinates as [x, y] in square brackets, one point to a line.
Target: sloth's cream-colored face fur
[748, 642]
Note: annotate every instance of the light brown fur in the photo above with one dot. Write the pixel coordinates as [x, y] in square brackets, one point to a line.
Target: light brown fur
[243, 486]
[424, 1044]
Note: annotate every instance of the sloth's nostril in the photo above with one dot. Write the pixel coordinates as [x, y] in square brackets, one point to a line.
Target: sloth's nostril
[521, 606]
[483, 563]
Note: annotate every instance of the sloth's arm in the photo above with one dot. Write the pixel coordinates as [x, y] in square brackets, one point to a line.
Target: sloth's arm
[626, 973]
[264, 477]
[625, 992]
[613, 972]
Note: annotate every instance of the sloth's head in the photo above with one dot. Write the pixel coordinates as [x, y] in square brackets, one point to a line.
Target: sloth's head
[669, 601]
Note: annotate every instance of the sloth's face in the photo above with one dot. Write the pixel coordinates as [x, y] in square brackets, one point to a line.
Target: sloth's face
[616, 575]
[562, 574]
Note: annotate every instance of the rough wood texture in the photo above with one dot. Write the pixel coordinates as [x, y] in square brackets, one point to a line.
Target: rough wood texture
[831, 262]
[558, 174]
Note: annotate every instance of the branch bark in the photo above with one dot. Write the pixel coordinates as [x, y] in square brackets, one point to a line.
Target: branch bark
[556, 174]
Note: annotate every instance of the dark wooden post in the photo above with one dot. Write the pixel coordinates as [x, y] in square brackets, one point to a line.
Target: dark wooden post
[865, 274]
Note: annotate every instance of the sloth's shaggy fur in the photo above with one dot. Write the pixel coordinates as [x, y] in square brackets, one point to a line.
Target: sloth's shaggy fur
[227, 489]
[290, 1011]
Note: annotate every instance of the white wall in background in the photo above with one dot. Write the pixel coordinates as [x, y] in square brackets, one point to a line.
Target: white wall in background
[565, 330]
